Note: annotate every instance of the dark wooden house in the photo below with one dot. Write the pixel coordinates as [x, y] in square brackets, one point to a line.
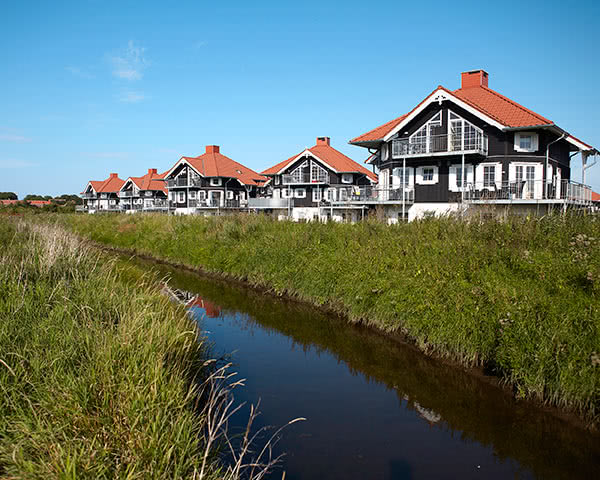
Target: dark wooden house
[471, 146]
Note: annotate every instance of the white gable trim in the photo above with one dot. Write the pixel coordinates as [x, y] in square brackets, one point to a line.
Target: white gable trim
[181, 160]
[89, 184]
[577, 143]
[306, 152]
[439, 96]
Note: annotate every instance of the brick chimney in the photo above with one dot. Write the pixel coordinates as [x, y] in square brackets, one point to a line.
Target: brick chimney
[474, 78]
[114, 175]
[323, 140]
[152, 171]
[212, 149]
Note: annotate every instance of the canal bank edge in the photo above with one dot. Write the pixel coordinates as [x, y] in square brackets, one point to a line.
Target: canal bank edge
[228, 239]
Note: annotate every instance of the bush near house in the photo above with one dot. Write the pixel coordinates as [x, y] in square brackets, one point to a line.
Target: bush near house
[519, 297]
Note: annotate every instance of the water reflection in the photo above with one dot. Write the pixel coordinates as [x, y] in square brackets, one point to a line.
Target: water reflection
[377, 408]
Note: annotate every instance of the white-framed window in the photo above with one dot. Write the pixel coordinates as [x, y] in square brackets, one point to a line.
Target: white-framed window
[113, 202]
[215, 182]
[201, 195]
[317, 173]
[229, 194]
[343, 194]
[489, 176]
[148, 193]
[192, 195]
[301, 173]
[103, 195]
[455, 177]
[300, 192]
[242, 196]
[384, 152]
[173, 196]
[419, 140]
[316, 195]
[402, 177]
[276, 180]
[347, 178]
[526, 179]
[526, 142]
[330, 195]
[286, 192]
[181, 198]
[427, 175]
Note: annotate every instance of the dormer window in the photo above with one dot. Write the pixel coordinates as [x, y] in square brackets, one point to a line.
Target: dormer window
[526, 142]
[215, 182]
[346, 178]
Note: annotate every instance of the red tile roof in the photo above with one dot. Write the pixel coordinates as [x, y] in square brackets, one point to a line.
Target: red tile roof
[111, 185]
[151, 181]
[331, 157]
[595, 197]
[35, 203]
[214, 164]
[500, 108]
[487, 101]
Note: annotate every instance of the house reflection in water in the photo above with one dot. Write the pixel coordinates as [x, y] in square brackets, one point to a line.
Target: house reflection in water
[212, 310]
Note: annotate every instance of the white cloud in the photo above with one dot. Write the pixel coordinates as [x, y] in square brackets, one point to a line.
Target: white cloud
[78, 72]
[10, 135]
[13, 163]
[131, 97]
[130, 63]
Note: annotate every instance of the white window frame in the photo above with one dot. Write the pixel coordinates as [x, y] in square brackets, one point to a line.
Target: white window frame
[420, 175]
[316, 195]
[479, 175]
[534, 142]
[347, 178]
[192, 195]
[409, 178]
[229, 194]
[453, 176]
[276, 180]
[201, 195]
[215, 182]
[533, 188]
[181, 197]
[173, 196]
[286, 192]
[299, 192]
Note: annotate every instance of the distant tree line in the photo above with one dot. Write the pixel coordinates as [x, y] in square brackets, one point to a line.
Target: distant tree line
[65, 198]
[8, 196]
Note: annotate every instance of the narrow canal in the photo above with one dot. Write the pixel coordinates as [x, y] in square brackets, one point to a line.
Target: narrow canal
[375, 408]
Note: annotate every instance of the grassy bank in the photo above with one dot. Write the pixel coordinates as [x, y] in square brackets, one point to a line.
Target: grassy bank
[520, 298]
[100, 375]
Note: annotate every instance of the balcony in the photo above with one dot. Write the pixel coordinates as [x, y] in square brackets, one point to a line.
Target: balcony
[530, 191]
[268, 203]
[374, 195]
[89, 195]
[304, 179]
[127, 194]
[445, 144]
[184, 182]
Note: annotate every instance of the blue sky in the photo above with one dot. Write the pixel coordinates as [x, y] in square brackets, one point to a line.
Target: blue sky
[92, 87]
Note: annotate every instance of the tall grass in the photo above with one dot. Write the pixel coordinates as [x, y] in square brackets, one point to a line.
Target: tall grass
[101, 376]
[519, 297]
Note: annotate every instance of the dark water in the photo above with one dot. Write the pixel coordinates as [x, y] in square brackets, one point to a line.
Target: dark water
[375, 408]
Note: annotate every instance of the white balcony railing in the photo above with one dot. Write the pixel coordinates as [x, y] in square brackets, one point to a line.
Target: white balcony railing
[438, 144]
[373, 195]
[184, 182]
[269, 202]
[305, 178]
[565, 191]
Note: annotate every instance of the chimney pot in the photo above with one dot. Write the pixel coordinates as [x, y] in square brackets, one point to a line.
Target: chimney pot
[114, 175]
[152, 171]
[323, 140]
[474, 78]
[212, 149]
